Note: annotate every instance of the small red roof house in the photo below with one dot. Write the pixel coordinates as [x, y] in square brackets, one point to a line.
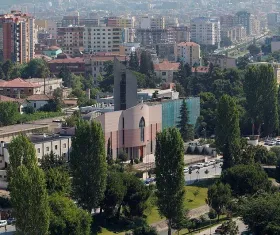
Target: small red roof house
[166, 70]
[38, 100]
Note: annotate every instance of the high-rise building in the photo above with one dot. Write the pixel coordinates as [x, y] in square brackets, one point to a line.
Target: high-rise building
[188, 53]
[17, 37]
[273, 18]
[103, 39]
[70, 20]
[244, 18]
[205, 31]
[124, 22]
[154, 22]
[125, 87]
[70, 39]
[227, 21]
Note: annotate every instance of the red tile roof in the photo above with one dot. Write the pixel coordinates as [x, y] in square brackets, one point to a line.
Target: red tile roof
[6, 99]
[166, 65]
[76, 60]
[107, 58]
[38, 97]
[18, 83]
[200, 69]
[190, 44]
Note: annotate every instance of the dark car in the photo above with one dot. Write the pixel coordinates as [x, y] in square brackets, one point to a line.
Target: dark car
[11, 221]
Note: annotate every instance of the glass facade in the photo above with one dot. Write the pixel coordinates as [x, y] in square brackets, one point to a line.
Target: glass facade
[171, 111]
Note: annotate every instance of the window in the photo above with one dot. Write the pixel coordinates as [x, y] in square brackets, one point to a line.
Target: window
[142, 129]
[163, 73]
[47, 149]
[64, 145]
[38, 150]
[55, 147]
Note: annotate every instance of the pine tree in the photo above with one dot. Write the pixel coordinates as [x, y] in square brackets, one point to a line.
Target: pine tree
[88, 164]
[186, 130]
[228, 131]
[109, 153]
[170, 176]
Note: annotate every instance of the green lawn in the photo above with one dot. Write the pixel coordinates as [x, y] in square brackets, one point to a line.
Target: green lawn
[191, 202]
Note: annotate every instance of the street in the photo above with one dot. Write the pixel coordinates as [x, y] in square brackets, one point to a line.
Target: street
[213, 171]
[10, 230]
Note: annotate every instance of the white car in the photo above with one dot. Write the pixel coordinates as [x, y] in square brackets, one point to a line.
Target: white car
[3, 223]
[212, 162]
[207, 163]
[200, 165]
[186, 170]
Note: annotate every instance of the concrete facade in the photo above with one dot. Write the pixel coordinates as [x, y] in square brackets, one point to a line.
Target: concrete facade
[187, 52]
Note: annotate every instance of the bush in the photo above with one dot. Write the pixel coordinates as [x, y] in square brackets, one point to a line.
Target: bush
[5, 202]
[136, 161]
[38, 115]
[212, 214]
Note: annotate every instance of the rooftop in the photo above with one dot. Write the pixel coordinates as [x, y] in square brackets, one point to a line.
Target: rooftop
[15, 129]
[46, 138]
[200, 69]
[38, 97]
[76, 60]
[166, 65]
[189, 44]
[18, 83]
[6, 99]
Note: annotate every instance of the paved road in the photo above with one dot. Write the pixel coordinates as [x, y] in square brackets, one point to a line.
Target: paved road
[10, 230]
[240, 224]
[213, 171]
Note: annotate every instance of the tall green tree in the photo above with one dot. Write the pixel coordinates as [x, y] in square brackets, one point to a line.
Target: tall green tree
[66, 218]
[218, 197]
[227, 130]
[261, 95]
[185, 128]
[7, 69]
[36, 68]
[229, 228]
[9, 113]
[88, 164]
[169, 174]
[27, 188]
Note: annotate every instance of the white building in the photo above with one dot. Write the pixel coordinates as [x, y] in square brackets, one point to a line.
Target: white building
[127, 47]
[152, 22]
[188, 52]
[103, 39]
[205, 31]
[52, 28]
[37, 101]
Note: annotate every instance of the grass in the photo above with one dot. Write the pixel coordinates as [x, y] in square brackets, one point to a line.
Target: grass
[191, 202]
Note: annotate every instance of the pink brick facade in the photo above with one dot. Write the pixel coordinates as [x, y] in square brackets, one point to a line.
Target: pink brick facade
[124, 131]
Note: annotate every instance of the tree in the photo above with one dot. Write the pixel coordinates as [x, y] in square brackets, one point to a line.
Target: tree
[144, 230]
[262, 213]
[218, 197]
[227, 130]
[88, 164]
[169, 174]
[7, 69]
[65, 74]
[109, 153]
[27, 188]
[146, 63]
[261, 96]
[135, 200]
[226, 42]
[9, 113]
[52, 160]
[186, 130]
[30, 200]
[246, 179]
[254, 50]
[229, 228]
[36, 68]
[66, 218]
[180, 89]
[133, 61]
[114, 194]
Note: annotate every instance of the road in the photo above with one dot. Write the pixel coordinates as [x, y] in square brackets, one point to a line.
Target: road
[10, 230]
[241, 228]
[213, 171]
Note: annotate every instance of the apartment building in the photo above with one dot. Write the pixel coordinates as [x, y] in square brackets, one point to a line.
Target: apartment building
[103, 39]
[227, 21]
[205, 31]
[152, 22]
[244, 18]
[70, 38]
[123, 22]
[17, 37]
[235, 34]
[273, 19]
[188, 52]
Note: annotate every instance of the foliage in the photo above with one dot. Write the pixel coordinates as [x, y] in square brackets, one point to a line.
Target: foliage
[261, 213]
[37, 116]
[36, 68]
[246, 179]
[114, 194]
[72, 121]
[229, 228]
[227, 130]
[186, 130]
[29, 109]
[218, 197]
[106, 85]
[144, 230]
[52, 160]
[9, 113]
[88, 164]
[66, 218]
[261, 95]
[133, 61]
[254, 50]
[212, 214]
[226, 42]
[169, 174]
[146, 63]
[109, 158]
[122, 157]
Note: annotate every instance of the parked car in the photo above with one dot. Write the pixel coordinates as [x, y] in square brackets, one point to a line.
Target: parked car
[3, 223]
[219, 160]
[194, 167]
[186, 170]
[11, 221]
[272, 143]
[207, 163]
[278, 142]
[200, 165]
[212, 162]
